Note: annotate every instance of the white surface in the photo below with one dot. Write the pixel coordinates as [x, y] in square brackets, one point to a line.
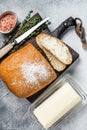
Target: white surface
[58, 11]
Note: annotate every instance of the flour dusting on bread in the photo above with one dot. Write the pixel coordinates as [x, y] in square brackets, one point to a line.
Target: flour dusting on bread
[33, 72]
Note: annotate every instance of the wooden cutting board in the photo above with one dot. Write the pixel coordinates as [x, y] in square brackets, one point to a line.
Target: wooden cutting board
[75, 56]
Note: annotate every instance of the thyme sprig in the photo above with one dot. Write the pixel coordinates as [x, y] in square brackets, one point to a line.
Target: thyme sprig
[27, 23]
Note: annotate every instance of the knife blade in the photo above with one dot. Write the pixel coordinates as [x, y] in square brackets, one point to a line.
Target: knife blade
[8, 47]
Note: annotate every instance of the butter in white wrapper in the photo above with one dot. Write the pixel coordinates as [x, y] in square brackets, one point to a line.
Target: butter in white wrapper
[57, 105]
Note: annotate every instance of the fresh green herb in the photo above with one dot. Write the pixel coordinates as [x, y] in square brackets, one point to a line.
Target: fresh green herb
[48, 22]
[31, 11]
[27, 23]
[26, 19]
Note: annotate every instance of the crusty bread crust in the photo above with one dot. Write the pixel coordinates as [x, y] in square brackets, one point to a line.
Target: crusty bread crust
[58, 65]
[26, 71]
[56, 47]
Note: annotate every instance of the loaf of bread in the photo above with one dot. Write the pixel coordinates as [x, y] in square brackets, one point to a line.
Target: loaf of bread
[56, 47]
[58, 65]
[26, 71]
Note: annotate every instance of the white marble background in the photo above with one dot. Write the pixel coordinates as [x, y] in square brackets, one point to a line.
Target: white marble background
[14, 114]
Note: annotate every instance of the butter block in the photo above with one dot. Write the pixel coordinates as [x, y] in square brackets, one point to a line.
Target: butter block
[56, 105]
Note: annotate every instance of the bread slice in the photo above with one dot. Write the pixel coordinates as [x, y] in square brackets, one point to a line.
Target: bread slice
[56, 47]
[59, 66]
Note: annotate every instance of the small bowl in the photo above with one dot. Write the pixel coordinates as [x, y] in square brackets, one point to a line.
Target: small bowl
[15, 23]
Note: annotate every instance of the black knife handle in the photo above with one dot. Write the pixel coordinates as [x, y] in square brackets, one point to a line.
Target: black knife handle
[64, 26]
